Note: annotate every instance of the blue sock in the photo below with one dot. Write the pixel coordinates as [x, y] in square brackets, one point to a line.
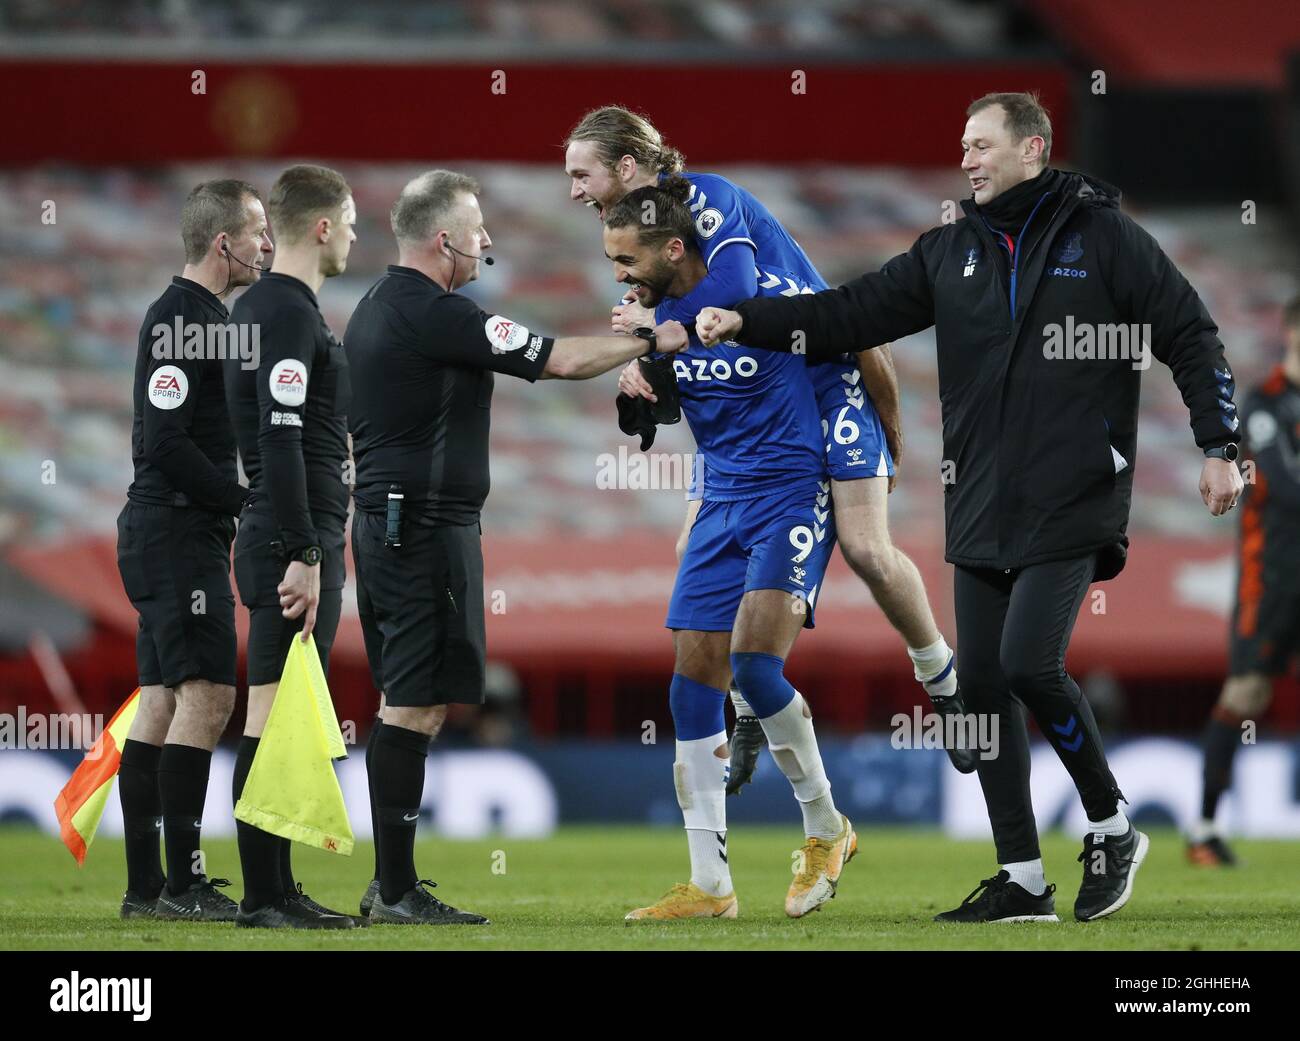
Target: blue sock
[761, 679]
[697, 709]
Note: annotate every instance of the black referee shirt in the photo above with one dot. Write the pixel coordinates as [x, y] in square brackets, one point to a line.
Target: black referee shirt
[182, 444]
[290, 413]
[422, 362]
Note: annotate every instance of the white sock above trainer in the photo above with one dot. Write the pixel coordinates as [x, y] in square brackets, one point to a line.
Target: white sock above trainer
[700, 777]
[1116, 825]
[709, 868]
[793, 744]
[821, 818]
[1028, 875]
[929, 662]
[1203, 830]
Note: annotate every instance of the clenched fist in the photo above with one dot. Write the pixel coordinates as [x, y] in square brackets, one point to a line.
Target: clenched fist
[713, 325]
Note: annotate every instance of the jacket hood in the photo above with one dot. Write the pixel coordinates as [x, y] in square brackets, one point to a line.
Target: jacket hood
[1091, 190]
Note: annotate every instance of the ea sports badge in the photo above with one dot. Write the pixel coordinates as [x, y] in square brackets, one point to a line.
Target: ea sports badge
[168, 387]
[288, 382]
[505, 335]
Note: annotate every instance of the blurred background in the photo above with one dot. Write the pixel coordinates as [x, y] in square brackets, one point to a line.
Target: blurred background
[116, 109]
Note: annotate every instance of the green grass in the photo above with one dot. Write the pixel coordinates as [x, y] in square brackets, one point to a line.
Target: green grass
[571, 892]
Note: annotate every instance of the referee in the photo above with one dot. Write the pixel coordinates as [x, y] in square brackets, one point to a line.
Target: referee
[173, 552]
[290, 416]
[423, 359]
[1040, 441]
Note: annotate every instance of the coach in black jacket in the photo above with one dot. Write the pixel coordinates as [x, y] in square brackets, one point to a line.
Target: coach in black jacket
[1047, 304]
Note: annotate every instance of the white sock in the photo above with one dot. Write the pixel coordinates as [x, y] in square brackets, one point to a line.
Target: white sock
[1116, 825]
[1203, 830]
[739, 702]
[709, 869]
[1028, 875]
[793, 744]
[929, 662]
[700, 778]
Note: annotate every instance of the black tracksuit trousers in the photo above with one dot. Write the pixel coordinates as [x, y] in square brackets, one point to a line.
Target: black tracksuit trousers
[1012, 632]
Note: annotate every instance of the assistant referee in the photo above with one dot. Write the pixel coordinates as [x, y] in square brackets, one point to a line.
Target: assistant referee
[290, 417]
[422, 359]
[173, 552]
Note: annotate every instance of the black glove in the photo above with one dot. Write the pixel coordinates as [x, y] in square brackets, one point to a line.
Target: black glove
[634, 417]
[638, 415]
[658, 372]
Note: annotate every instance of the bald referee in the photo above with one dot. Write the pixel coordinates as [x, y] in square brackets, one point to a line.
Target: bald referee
[423, 360]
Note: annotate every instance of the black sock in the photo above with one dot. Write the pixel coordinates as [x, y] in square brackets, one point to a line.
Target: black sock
[259, 851]
[183, 788]
[398, 771]
[1222, 738]
[287, 882]
[137, 787]
[370, 783]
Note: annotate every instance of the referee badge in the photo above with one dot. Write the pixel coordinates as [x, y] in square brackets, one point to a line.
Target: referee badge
[288, 382]
[505, 335]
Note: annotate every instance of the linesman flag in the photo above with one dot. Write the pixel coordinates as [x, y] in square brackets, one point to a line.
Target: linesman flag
[291, 789]
[80, 804]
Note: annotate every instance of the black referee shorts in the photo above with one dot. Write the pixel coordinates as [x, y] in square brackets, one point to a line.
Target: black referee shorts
[175, 568]
[260, 564]
[421, 608]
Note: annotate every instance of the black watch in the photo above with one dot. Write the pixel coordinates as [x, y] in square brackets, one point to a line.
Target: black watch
[648, 335]
[309, 555]
[1230, 452]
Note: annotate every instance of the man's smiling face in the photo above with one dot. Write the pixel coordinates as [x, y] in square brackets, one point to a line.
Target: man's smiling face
[591, 182]
[991, 160]
[648, 272]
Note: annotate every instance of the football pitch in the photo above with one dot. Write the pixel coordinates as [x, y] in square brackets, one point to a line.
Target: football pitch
[570, 892]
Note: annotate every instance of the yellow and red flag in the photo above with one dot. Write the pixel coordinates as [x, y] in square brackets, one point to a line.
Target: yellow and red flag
[81, 802]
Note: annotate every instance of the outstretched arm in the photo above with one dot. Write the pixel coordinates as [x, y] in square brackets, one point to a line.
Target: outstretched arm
[876, 308]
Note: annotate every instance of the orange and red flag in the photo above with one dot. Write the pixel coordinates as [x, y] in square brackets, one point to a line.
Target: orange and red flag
[80, 804]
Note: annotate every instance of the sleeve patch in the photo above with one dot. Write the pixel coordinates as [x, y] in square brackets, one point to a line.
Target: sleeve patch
[288, 382]
[168, 387]
[505, 335]
[708, 223]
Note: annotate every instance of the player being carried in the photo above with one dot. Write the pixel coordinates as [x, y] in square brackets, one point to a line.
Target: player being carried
[746, 253]
[749, 578]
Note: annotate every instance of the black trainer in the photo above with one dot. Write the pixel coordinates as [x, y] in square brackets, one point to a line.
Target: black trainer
[998, 899]
[1211, 852]
[199, 903]
[1109, 864]
[369, 897]
[291, 914]
[964, 759]
[420, 907]
[747, 740]
[303, 900]
[136, 906]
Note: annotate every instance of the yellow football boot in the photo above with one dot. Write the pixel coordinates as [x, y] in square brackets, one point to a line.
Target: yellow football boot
[685, 900]
[820, 863]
